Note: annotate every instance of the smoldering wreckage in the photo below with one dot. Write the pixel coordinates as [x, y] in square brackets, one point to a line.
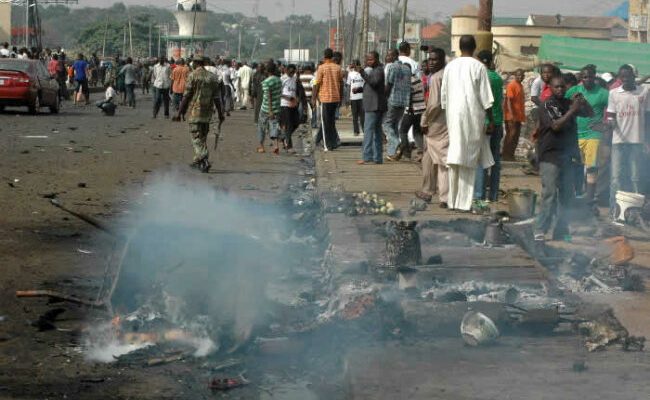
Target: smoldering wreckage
[211, 281]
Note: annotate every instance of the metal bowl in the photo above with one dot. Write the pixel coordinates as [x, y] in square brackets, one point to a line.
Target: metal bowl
[478, 329]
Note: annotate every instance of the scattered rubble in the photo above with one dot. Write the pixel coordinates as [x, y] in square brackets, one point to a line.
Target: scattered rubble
[363, 203]
[605, 330]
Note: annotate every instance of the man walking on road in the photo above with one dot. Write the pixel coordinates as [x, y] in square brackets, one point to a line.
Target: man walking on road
[328, 90]
[434, 128]
[398, 90]
[161, 83]
[270, 109]
[374, 106]
[200, 99]
[179, 80]
[129, 72]
[81, 73]
[466, 99]
[256, 90]
[245, 77]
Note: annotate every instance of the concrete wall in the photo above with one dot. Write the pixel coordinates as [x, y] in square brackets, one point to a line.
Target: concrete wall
[5, 22]
[512, 38]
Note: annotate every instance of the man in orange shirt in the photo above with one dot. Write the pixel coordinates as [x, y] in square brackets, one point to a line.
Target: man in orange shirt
[328, 90]
[179, 78]
[515, 115]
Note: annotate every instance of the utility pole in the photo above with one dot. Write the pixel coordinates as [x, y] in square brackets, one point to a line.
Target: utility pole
[26, 24]
[365, 24]
[404, 6]
[239, 45]
[196, 7]
[352, 32]
[104, 41]
[337, 37]
[130, 38]
[484, 35]
[299, 47]
[485, 15]
[329, 26]
[149, 39]
[159, 37]
[341, 27]
[124, 42]
[390, 24]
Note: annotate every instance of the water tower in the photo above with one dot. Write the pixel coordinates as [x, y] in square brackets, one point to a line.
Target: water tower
[191, 39]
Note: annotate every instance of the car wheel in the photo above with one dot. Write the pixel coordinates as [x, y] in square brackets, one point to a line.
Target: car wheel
[55, 108]
[35, 106]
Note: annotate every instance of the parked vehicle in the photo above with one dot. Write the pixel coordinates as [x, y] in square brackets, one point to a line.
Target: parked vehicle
[27, 83]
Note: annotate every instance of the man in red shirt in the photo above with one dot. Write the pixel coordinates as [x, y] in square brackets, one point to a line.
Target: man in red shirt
[514, 114]
[179, 78]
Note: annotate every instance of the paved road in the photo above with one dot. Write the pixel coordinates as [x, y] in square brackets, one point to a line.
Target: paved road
[100, 166]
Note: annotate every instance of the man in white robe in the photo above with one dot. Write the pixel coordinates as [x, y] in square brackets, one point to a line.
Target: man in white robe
[466, 97]
[245, 76]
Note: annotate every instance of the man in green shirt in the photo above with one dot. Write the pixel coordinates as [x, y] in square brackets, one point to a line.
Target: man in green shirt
[494, 123]
[199, 102]
[590, 129]
[270, 110]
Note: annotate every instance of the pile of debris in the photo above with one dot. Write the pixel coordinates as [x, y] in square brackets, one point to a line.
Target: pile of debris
[354, 204]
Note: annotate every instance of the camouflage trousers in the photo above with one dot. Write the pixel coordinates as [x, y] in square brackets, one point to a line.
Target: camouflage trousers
[199, 132]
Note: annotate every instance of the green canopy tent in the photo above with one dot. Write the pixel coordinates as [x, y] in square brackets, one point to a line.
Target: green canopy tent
[573, 54]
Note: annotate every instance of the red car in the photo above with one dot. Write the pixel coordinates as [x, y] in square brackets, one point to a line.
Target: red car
[27, 83]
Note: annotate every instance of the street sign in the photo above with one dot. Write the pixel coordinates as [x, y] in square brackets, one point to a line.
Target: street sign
[412, 32]
[371, 37]
[296, 55]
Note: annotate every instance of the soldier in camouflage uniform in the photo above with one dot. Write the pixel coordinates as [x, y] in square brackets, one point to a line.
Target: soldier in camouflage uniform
[200, 99]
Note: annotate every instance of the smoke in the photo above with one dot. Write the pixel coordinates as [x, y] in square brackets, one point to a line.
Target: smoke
[199, 260]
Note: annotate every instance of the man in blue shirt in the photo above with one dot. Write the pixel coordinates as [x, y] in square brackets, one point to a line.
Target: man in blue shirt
[80, 67]
[398, 90]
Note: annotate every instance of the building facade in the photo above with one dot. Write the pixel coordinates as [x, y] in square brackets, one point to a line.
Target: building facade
[639, 21]
[5, 22]
[522, 36]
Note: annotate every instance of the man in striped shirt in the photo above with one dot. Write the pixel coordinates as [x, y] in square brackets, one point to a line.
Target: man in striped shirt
[328, 90]
[270, 109]
[411, 119]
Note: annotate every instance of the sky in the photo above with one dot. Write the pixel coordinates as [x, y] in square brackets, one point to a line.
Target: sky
[432, 9]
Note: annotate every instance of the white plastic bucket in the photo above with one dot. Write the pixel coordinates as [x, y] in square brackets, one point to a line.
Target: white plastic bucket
[627, 200]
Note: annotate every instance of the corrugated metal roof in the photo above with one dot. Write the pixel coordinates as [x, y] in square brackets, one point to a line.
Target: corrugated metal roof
[608, 56]
[571, 21]
[509, 21]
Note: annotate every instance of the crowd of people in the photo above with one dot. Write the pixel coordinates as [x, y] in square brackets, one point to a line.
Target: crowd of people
[459, 119]
[463, 117]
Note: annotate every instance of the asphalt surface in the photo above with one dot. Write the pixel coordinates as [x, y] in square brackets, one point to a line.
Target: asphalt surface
[100, 166]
